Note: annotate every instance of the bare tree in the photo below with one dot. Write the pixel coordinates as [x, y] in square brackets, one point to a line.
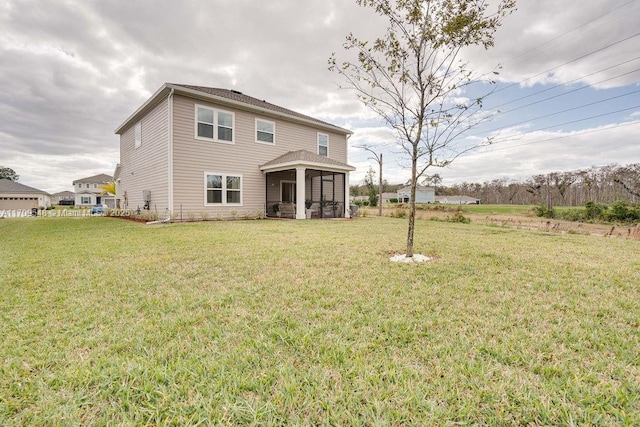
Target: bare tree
[413, 78]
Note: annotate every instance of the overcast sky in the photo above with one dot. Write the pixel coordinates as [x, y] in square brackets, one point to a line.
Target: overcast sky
[72, 71]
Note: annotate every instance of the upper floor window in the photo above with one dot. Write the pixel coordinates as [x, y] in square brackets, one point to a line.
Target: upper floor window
[265, 131]
[323, 144]
[138, 134]
[223, 189]
[215, 125]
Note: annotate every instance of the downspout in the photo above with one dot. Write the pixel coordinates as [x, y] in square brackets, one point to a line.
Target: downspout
[170, 153]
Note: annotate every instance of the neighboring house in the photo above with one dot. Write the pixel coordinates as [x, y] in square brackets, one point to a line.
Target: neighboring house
[386, 197]
[88, 191]
[220, 153]
[14, 196]
[63, 198]
[423, 194]
[457, 200]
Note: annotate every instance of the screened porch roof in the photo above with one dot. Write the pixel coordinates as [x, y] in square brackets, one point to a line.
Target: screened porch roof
[306, 159]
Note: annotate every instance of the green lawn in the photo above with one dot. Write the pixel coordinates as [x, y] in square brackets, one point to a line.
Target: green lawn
[106, 321]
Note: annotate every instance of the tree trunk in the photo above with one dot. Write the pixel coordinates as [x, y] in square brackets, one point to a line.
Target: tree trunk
[380, 189]
[412, 202]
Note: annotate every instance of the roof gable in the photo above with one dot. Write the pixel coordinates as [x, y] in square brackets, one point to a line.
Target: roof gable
[229, 97]
[8, 186]
[304, 157]
[237, 96]
[97, 179]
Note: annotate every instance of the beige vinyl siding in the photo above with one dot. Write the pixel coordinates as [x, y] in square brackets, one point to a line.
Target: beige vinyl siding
[146, 167]
[13, 201]
[193, 157]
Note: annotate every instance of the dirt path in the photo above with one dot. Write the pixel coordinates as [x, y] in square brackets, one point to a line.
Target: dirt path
[534, 223]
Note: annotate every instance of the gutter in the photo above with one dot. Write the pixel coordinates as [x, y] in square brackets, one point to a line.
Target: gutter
[170, 151]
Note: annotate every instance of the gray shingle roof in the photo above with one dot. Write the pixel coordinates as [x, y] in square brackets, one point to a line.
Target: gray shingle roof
[64, 193]
[237, 96]
[98, 179]
[304, 156]
[8, 186]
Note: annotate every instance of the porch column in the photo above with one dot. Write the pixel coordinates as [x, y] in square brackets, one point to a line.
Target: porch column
[300, 193]
[347, 203]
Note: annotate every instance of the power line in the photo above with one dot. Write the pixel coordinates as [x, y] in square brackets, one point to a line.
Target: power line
[554, 138]
[571, 91]
[572, 81]
[569, 62]
[580, 120]
[571, 31]
[557, 112]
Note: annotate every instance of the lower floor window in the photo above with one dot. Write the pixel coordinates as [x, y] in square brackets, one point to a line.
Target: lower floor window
[85, 200]
[223, 189]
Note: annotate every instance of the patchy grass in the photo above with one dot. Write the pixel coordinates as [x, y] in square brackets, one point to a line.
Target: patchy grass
[497, 209]
[306, 323]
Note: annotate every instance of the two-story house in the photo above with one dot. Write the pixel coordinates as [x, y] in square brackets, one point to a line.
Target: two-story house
[88, 191]
[221, 153]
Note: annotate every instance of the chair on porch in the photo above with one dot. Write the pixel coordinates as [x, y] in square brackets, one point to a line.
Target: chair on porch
[287, 210]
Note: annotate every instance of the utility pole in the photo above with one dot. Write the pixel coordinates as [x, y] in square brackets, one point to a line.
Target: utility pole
[378, 158]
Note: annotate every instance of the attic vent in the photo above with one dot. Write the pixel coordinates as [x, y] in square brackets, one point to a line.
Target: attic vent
[236, 91]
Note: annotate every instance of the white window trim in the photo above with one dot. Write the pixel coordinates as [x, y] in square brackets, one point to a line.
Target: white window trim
[215, 125]
[274, 132]
[224, 189]
[137, 134]
[318, 143]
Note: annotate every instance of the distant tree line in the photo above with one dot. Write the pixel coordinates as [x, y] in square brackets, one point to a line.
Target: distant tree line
[600, 185]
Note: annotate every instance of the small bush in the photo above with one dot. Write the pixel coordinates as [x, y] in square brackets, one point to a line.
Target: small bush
[458, 217]
[621, 212]
[398, 213]
[543, 211]
[593, 211]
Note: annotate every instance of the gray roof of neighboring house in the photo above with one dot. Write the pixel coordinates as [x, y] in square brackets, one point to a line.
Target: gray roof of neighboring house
[229, 96]
[98, 179]
[456, 198]
[418, 188]
[305, 157]
[8, 186]
[64, 193]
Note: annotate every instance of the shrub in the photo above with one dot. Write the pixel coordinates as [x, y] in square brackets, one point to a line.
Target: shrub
[393, 200]
[621, 212]
[592, 210]
[543, 211]
[458, 217]
[398, 213]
